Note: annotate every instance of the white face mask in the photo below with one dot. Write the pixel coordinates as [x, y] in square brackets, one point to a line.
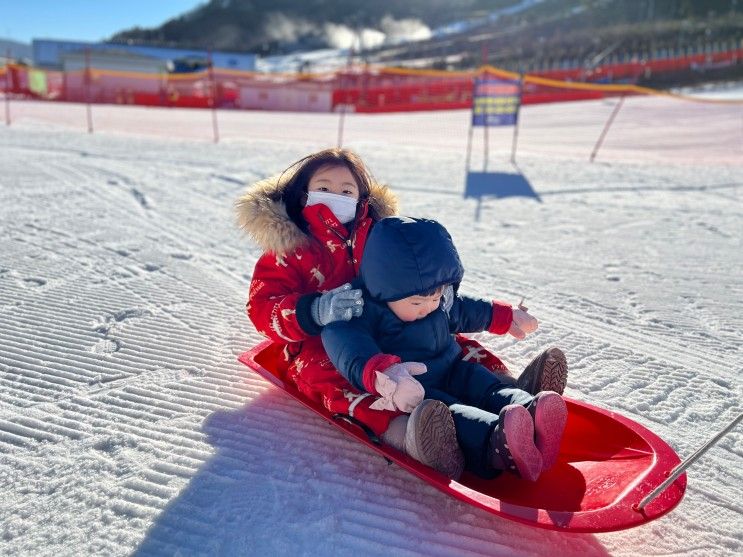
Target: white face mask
[342, 206]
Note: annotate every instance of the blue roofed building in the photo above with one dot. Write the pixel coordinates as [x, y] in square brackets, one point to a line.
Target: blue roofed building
[50, 54]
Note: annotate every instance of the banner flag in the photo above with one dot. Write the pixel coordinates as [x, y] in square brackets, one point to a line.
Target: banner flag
[495, 102]
[37, 82]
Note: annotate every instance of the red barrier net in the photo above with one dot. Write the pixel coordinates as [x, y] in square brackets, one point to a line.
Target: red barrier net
[358, 89]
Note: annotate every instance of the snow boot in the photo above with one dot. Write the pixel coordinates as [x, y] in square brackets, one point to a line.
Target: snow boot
[550, 414]
[547, 372]
[431, 438]
[395, 433]
[512, 445]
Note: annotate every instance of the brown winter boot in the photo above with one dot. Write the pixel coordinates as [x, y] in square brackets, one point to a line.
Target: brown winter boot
[431, 438]
[547, 372]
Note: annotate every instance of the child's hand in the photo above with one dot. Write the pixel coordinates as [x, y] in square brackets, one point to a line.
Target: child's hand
[339, 304]
[397, 388]
[523, 323]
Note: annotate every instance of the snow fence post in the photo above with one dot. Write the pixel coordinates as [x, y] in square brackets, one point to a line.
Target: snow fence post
[606, 127]
[213, 97]
[88, 110]
[7, 87]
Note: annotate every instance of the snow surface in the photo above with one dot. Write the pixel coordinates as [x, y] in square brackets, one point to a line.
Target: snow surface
[127, 425]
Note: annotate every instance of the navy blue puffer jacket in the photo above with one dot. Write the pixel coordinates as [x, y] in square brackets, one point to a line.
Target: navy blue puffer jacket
[404, 257]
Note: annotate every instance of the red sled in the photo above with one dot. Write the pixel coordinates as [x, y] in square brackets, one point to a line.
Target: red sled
[607, 465]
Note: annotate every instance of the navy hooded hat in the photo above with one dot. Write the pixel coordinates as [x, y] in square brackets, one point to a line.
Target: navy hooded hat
[406, 256]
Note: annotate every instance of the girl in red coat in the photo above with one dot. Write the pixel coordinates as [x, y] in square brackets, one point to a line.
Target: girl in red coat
[312, 222]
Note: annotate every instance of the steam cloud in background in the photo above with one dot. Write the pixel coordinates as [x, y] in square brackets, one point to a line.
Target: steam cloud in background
[282, 28]
[404, 30]
[391, 31]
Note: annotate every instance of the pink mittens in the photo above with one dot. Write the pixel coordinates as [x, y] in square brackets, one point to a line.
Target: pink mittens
[397, 388]
[523, 324]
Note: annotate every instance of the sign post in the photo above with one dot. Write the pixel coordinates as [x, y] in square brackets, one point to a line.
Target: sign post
[496, 101]
[516, 123]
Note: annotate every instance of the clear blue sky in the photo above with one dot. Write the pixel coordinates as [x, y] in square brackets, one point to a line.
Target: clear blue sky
[85, 20]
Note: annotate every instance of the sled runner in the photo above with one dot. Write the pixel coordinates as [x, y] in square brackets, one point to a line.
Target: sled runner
[607, 465]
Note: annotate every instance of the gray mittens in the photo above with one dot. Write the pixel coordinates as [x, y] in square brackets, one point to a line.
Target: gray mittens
[339, 304]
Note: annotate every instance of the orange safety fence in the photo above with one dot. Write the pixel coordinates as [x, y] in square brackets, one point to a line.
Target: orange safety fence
[366, 89]
[652, 125]
[397, 89]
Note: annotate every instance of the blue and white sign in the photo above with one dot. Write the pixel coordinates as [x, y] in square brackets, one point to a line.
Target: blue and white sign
[495, 102]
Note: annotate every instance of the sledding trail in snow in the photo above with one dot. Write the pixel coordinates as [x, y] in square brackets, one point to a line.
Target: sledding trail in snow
[128, 426]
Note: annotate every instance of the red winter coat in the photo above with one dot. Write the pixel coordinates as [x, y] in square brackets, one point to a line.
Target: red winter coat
[295, 268]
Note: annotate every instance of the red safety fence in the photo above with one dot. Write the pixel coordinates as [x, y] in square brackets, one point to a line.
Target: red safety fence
[382, 93]
[392, 89]
[360, 89]
[641, 68]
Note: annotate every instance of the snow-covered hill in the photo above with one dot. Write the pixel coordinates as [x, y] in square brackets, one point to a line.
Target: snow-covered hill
[128, 426]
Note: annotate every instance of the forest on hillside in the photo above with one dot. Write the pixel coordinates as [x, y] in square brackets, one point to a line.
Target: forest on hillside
[280, 26]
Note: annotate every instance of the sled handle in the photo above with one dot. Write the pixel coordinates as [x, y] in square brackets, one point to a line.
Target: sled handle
[685, 464]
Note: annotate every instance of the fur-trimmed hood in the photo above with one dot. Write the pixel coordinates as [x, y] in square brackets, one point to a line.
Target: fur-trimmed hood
[262, 214]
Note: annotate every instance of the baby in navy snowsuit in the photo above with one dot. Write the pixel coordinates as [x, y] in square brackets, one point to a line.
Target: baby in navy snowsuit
[402, 348]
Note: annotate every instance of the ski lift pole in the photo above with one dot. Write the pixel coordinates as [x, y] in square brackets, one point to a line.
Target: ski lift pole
[686, 463]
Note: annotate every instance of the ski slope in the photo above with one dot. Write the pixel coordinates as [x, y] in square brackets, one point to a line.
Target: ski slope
[128, 427]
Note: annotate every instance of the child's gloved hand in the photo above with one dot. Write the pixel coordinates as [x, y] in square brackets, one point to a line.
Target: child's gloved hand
[339, 304]
[397, 388]
[523, 324]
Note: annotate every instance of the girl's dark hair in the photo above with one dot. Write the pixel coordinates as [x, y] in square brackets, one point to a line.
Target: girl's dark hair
[295, 191]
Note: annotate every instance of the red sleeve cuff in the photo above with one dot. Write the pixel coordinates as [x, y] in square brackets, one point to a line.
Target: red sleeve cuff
[379, 362]
[502, 318]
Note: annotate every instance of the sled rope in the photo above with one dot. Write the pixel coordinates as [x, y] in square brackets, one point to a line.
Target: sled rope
[351, 420]
[373, 437]
[686, 463]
